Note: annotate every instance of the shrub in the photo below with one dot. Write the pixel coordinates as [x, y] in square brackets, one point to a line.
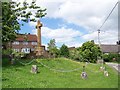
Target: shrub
[111, 57]
[7, 51]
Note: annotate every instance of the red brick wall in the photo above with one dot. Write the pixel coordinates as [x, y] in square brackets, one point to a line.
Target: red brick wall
[21, 45]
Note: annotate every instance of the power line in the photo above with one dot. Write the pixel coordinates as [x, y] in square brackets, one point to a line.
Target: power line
[105, 22]
[108, 15]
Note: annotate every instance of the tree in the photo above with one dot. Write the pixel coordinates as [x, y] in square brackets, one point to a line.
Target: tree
[90, 51]
[14, 14]
[53, 48]
[64, 51]
[75, 54]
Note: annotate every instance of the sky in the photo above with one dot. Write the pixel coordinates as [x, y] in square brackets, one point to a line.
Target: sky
[73, 22]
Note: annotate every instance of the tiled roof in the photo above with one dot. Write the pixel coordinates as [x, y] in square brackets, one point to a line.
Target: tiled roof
[110, 48]
[71, 48]
[30, 37]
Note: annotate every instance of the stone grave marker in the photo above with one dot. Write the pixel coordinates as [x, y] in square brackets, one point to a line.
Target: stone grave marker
[106, 73]
[100, 61]
[102, 68]
[34, 69]
[84, 74]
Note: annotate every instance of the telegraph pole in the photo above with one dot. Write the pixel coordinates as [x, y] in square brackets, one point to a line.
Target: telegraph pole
[99, 37]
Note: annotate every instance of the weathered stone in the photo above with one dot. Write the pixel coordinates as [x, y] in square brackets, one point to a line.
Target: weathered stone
[106, 73]
[34, 69]
[100, 61]
[84, 75]
[12, 61]
[102, 68]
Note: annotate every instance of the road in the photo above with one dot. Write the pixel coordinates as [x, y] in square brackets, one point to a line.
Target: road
[115, 66]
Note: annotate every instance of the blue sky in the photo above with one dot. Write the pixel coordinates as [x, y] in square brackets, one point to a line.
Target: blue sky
[73, 22]
[53, 24]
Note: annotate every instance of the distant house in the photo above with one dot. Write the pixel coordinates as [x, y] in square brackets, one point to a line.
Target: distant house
[110, 48]
[106, 48]
[24, 43]
[71, 48]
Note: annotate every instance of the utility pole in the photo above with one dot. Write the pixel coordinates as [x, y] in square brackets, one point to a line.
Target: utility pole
[99, 37]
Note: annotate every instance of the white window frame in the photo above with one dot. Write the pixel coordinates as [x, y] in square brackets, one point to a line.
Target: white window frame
[25, 43]
[16, 43]
[25, 50]
[34, 43]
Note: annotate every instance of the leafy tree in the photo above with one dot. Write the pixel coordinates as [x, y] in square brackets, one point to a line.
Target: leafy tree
[75, 54]
[53, 48]
[64, 51]
[14, 14]
[90, 51]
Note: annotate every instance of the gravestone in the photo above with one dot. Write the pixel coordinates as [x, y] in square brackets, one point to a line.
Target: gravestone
[106, 73]
[100, 61]
[102, 68]
[12, 61]
[84, 75]
[34, 69]
[86, 63]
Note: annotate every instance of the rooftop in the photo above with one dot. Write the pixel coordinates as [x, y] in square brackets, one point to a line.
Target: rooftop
[30, 37]
[110, 48]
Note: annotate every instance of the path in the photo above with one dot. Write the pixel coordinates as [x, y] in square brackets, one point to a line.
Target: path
[115, 66]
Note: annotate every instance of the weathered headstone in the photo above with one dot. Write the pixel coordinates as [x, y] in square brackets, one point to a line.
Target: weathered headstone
[86, 63]
[100, 61]
[84, 75]
[34, 69]
[102, 68]
[106, 73]
[12, 61]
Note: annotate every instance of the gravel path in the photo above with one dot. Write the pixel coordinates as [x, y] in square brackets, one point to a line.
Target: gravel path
[115, 66]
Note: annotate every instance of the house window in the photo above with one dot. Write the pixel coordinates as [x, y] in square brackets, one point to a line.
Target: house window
[25, 43]
[25, 50]
[34, 43]
[15, 43]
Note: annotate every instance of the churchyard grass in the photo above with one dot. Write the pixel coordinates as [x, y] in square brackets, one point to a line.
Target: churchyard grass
[19, 76]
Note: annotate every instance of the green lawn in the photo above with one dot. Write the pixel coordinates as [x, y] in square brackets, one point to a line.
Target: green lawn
[19, 76]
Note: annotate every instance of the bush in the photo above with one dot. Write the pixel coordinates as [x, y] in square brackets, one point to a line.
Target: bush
[7, 51]
[5, 60]
[111, 57]
[106, 57]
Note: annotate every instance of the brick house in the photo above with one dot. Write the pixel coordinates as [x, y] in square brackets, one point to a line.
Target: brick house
[22, 45]
[106, 48]
[110, 48]
[25, 43]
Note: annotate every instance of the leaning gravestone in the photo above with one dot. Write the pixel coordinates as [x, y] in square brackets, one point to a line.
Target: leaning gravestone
[106, 73]
[34, 69]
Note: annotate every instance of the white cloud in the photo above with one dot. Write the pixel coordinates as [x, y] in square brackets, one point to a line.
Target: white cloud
[88, 14]
[62, 35]
[108, 37]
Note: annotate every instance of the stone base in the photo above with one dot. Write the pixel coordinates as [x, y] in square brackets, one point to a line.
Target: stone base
[39, 51]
